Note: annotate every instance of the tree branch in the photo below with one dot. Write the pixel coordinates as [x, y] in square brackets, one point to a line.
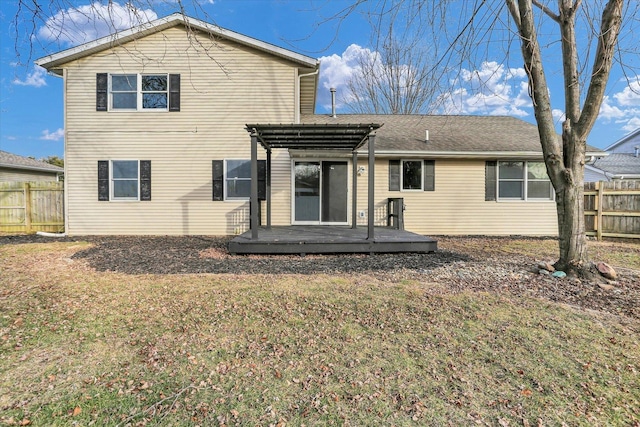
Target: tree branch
[570, 61]
[551, 147]
[607, 41]
[547, 11]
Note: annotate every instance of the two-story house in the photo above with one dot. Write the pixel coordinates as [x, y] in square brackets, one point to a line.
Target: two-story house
[157, 143]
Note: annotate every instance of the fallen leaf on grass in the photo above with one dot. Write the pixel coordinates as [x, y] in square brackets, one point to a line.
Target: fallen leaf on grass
[76, 411]
[526, 392]
[25, 422]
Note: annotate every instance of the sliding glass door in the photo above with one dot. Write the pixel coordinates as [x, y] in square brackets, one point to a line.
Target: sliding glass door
[320, 192]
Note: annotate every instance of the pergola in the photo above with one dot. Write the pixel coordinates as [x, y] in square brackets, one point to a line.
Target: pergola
[321, 137]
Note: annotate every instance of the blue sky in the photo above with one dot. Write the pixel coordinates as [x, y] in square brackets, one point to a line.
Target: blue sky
[31, 104]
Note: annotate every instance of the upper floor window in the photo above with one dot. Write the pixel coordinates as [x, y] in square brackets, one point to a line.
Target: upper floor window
[139, 92]
[524, 181]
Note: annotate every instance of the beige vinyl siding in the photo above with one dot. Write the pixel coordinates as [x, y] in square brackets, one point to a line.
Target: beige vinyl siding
[10, 174]
[457, 206]
[218, 97]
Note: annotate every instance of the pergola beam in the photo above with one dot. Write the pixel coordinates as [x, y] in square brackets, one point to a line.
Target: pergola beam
[320, 137]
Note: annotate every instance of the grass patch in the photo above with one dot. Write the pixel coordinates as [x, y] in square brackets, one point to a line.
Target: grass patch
[80, 347]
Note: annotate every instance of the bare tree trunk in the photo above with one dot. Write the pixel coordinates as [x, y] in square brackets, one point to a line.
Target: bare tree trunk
[573, 248]
[568, 177]
[565, 162]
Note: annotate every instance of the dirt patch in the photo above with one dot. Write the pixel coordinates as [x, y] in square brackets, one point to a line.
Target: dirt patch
[483, 264]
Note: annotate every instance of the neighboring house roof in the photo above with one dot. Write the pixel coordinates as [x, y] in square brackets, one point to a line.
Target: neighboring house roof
[309, 66]
[630, 136]
[619, 165]
[449, 136]
[14, 161]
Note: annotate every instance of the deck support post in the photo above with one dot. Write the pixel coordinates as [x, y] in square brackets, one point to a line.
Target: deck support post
[371, 192]
[268, 185]
[253, 212]
[354, 191]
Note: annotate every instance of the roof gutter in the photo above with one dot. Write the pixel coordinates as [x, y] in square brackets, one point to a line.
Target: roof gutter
[459, 154]
[463, 154]
[627, 176]
[32, 168]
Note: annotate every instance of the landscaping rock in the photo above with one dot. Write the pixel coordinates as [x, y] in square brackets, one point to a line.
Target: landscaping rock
[606, 287]
[546, 266]
[559, 274]
[606, 270]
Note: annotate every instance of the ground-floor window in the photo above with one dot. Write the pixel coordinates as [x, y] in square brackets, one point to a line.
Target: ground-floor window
[412, 175]
[237, 179]
[124, 180]
[520, 180]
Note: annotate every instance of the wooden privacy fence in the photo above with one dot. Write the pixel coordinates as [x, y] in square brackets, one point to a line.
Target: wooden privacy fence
[612, 208]
[27, 207]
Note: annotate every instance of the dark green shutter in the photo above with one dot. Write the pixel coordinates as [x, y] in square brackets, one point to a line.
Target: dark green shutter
[145, 180]
[218, 179]
[394, 175]
[174, 92]
[103, 180]
[429, 170]
[490, 176]
[262, 179]
[102, 84]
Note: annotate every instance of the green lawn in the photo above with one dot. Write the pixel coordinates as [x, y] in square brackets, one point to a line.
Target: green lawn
[84, 348]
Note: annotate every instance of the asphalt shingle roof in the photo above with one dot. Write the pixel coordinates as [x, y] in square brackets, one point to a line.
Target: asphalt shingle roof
[13, 160]
[619, 164]
[447, 134]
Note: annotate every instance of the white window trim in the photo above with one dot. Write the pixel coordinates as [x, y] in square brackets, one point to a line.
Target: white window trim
[411, 190]
[139, 93]
[112, 196]
[525, 181]
[225, 179]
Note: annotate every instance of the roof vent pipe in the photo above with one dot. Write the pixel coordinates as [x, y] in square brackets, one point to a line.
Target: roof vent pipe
[426, 135]
[333, 101]
[636, 149]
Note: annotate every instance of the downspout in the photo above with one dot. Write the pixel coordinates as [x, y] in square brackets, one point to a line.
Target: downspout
[297, 94]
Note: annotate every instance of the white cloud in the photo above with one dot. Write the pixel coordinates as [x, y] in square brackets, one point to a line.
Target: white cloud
[558, 115]
[632, 124]
[493, 89]
[52, 136]
[623, 107]
[81, 24]
[336, 71]
[630, 95]
[609, 111]
[36, 78]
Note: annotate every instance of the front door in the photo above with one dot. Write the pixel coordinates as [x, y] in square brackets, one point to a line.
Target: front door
[320, 192]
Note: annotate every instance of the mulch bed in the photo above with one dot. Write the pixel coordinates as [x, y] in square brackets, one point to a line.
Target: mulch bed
[449, 270]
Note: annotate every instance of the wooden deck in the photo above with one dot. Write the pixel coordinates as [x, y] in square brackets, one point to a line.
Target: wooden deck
[300, 239]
